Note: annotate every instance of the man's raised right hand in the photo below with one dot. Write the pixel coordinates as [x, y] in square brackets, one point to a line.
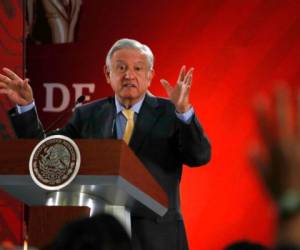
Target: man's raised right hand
[15, 88]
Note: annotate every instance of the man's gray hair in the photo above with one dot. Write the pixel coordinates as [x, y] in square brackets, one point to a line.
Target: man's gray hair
[133, 44]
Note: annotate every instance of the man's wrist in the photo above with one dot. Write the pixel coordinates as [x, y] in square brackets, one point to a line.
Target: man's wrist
[186, 117]
[25, 108]
[183, 109]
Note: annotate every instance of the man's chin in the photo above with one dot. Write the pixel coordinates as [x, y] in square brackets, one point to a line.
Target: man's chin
[130, 98]
[129, 95]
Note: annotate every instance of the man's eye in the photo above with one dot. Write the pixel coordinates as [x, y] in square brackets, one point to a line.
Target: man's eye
[121, 67]
[138, 68]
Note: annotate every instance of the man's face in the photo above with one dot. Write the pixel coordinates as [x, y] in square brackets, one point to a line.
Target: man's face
[129, 75]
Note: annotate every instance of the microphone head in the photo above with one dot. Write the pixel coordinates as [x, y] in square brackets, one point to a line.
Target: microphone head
[80, 99]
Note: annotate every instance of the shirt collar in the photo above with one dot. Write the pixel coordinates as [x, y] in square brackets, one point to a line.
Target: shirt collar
[135, 107]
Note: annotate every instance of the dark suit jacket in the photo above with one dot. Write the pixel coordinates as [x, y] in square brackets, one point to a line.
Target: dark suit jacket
[160, 140]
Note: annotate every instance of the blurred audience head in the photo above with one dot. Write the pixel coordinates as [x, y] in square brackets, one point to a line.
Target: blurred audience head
[100, 232]
[245, 245]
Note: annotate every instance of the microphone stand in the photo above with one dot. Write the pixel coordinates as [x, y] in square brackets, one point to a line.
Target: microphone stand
[79, 100]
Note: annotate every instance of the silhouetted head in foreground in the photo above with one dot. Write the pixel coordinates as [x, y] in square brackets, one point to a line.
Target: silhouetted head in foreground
[100, 232]
[245, 245]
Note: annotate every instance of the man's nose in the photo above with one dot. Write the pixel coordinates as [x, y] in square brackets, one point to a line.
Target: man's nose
[129, 74]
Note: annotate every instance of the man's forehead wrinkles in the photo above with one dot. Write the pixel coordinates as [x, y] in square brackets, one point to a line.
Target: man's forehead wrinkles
[125, 62]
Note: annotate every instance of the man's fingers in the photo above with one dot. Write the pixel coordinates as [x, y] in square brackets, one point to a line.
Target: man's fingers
[25, 82]
[12, 75]
[166, 85]
[4, 79]
[181, 74]
[8, 82]
[3, 85]
[187, 86]
[5, 91]
[188, 77]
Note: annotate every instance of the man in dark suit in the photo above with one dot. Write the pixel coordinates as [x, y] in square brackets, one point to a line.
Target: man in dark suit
[166, 132]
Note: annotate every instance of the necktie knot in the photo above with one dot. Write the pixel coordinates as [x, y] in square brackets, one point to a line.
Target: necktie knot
[129, 114]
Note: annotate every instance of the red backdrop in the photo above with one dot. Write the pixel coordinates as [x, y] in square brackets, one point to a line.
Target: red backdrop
[11, 55]
[238, 49]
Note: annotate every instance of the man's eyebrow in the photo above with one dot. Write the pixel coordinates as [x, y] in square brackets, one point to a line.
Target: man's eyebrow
[140, 62]
[120, 61]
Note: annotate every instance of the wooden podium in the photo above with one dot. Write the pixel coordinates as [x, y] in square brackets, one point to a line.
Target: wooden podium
[110, 176]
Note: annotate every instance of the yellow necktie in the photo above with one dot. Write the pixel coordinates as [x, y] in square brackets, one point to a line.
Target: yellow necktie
[129, 114]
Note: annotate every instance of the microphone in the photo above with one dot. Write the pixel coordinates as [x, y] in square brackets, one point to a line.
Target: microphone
[79, 100]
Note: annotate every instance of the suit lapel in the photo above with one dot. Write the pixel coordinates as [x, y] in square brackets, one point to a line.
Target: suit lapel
[147, 118]
[104, 121]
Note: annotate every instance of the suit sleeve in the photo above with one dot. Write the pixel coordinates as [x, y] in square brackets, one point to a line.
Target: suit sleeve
[74, 125]
[193, 144]
[26, 125]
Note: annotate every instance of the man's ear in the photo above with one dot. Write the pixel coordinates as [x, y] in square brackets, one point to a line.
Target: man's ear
[106, 73]
[151, 74]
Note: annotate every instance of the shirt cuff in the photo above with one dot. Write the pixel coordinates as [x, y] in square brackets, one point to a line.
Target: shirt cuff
[187, 116]
[23, 109]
